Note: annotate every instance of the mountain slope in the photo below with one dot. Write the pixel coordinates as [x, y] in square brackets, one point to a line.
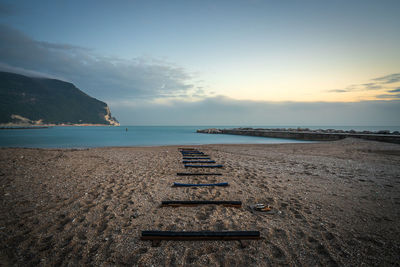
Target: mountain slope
[30, 100]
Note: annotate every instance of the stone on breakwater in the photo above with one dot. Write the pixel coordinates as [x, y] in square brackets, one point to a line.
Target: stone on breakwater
[210, 131]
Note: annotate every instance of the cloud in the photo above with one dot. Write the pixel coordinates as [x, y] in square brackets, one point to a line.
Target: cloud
[225, 111]
[391, 78]
[371, 86]
[389, 96]
[30, 73]
[107, 78]
[380, 83]
[394, 90]
[64, 47]
[338, 91]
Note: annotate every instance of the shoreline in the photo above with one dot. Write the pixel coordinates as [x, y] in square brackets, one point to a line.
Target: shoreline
[23, 127]
[336, 203]
[19, 126]
[160, 146]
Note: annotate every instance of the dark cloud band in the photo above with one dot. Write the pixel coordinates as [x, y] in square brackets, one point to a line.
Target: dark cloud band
[108, 78]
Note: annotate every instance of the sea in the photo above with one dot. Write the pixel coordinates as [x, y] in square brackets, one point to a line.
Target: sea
[122, 136]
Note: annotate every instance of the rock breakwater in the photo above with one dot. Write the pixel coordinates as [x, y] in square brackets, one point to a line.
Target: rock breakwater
[310, 135]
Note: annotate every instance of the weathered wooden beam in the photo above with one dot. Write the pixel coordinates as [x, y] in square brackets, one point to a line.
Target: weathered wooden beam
[200, 235]
[190, 203]
[197, 173]
[198, 161]
[194, 185]
[196, 157]
[203, 166]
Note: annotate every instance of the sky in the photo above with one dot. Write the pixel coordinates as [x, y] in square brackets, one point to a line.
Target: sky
[248, 62]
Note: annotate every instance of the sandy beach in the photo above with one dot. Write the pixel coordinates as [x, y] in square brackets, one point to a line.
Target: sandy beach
[335, 203]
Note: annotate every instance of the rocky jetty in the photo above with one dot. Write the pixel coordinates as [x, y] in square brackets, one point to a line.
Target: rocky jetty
[308, 134]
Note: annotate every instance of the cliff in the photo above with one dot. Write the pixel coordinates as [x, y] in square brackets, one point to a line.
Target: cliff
[41, 101]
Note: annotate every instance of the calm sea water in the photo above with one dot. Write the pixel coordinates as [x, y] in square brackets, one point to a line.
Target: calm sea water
[81, 137]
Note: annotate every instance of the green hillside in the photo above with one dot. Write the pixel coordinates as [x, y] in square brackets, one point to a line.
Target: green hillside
[48, 101]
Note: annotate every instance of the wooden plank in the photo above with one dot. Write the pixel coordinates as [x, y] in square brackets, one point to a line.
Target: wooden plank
[194, 185]
[200, 235]
[196, 157]
[197, 173]
[191, 203]
[203, 166]
[198, 161]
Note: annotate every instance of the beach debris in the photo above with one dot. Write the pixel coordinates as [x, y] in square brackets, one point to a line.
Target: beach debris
[179, 203]
[262, 208]
[203, 166]
[197, 173]
[189, 185]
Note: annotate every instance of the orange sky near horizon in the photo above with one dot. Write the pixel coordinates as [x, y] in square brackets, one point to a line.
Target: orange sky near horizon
[306, 89]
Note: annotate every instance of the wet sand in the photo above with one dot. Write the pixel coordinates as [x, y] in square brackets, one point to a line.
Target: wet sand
[336, 203]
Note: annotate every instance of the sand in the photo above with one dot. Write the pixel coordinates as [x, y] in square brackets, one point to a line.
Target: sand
[336, 203]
